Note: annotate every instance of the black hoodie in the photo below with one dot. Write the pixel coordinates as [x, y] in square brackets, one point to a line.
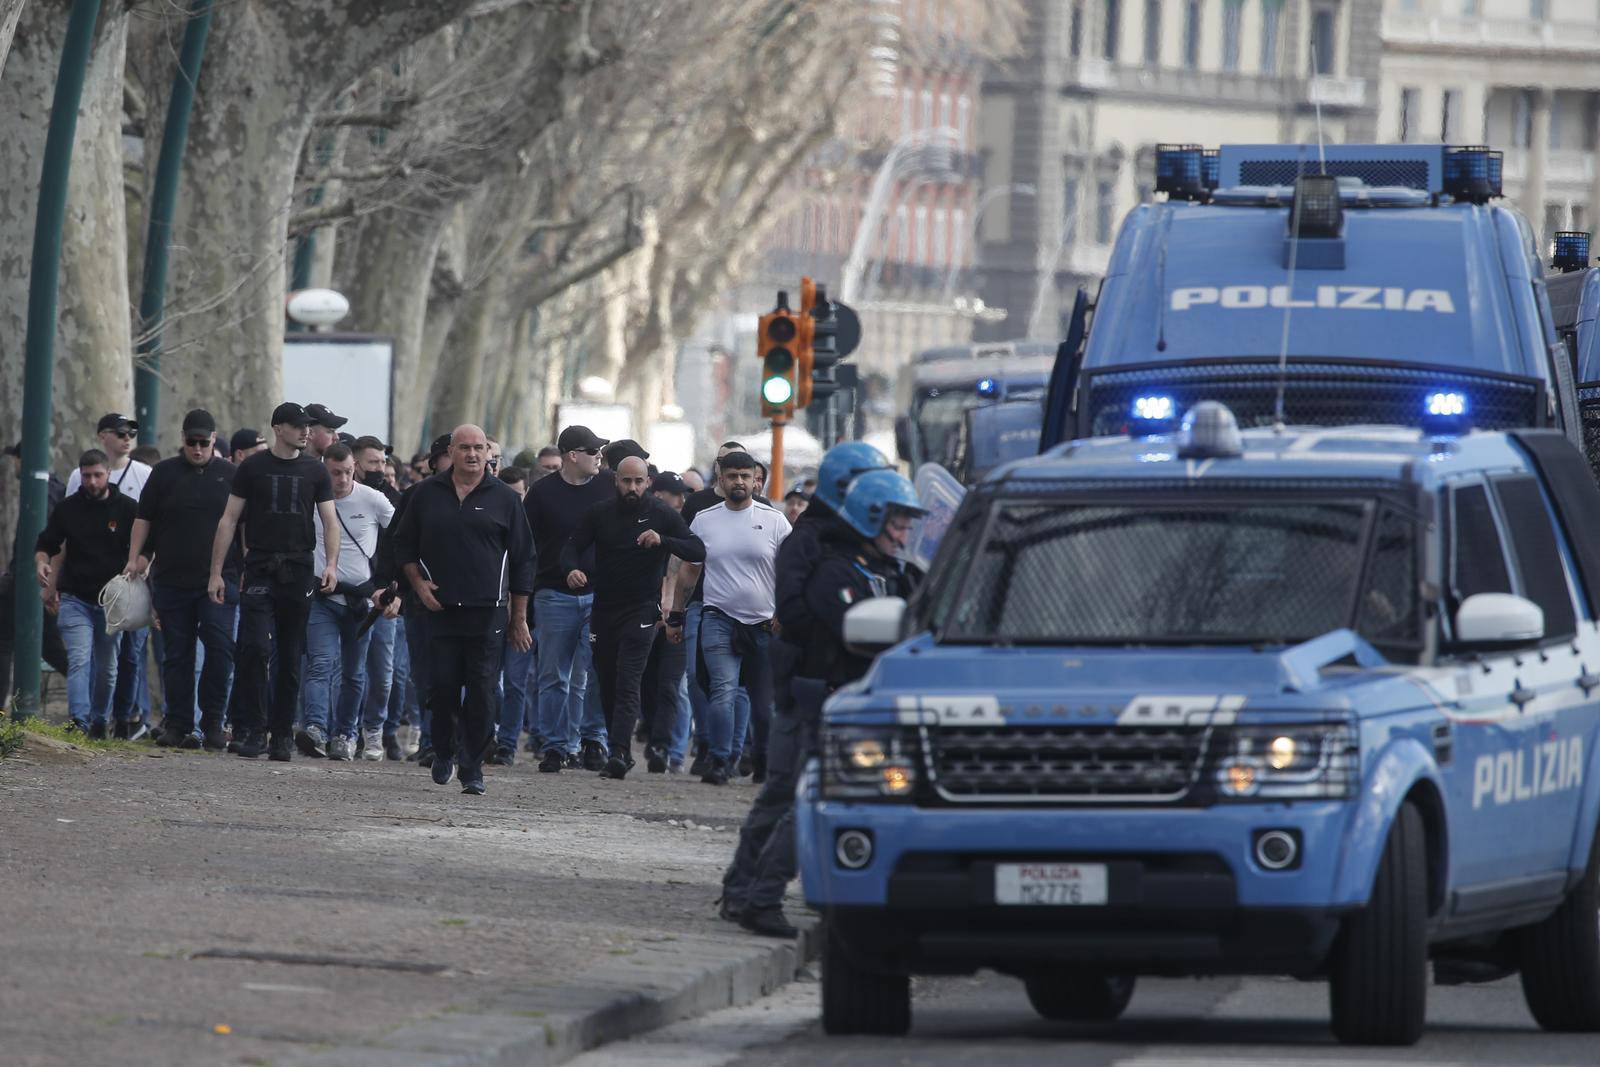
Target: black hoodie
[96, 535]
[798, 557]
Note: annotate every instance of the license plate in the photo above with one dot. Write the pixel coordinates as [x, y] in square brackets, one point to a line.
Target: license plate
[1050, 884]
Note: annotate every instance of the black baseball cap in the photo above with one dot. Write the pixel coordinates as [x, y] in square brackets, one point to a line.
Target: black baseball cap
[797, 492]
[116, 421]
[199, 421]
[440, 446]
[321, 416]
[245, 439]
[617, 451]
[579, 439]
[347, 439]
[669, 482]
[290, 413]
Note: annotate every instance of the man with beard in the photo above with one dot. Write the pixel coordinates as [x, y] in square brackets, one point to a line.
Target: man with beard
[632, 537]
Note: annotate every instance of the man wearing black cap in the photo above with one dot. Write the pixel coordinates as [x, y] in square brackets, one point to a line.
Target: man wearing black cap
[244, 444]
[131, 704]
[324, 429]
[554, 506]
[275, 493]
[179, 510]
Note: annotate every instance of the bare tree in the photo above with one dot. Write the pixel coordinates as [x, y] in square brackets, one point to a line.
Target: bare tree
[10, 12]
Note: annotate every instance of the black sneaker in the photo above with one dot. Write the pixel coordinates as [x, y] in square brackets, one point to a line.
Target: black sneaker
[716, 774]
[252, 744]
[97, 731]
[312, 741]
[727, 911]
[502, 757]
[616, 767]
[189, 742]
[425, 757]
[702, 761]
[574, 762]
[594, 756]
[758, 773]
[768, 922]
[552, 762]
[472, 787]
[655, 760]
[138, 731]
[216, 741]
[119, 732]
[280, 749]
[442, 769]
[747, 766]
[391, 748]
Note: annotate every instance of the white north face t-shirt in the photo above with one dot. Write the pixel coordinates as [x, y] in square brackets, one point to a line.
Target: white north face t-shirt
[741, 555]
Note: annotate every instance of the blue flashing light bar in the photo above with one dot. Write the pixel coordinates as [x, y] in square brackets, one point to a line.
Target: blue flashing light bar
[1572, 251]
[1467, 173]
[1445, 412]
[1151, 415]
[1446, 405]
[1210, 167]
[988, 387]
[1180, 171]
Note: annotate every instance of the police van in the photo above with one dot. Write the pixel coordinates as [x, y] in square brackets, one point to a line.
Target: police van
[1367, 278]
[1316, 701]
[1574, 288]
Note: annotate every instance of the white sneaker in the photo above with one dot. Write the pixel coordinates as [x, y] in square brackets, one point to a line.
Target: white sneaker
[372, 745]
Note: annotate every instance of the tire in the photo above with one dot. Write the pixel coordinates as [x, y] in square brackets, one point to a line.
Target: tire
[1561, 959]
[1095, 998]
[1378, 973]
[858, 1001]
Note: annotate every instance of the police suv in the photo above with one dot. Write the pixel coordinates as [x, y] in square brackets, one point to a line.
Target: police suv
[1316, 701]
[1365, 277]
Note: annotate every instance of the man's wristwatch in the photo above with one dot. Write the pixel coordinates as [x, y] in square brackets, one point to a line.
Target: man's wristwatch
[675, 619]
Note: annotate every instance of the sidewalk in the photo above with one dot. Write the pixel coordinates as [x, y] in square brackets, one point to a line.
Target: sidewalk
[182, 908]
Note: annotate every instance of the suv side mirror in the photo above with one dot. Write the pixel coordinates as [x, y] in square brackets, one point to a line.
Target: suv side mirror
[874, 625]
[1498, 620]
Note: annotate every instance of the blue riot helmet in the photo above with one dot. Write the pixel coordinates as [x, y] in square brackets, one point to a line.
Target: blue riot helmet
[873, 496]
[841, 466]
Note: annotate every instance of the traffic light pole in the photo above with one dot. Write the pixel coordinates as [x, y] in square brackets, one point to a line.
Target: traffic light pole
[39, 348]
[775, 475]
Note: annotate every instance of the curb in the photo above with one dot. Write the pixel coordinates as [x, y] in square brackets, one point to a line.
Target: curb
[616, 1000]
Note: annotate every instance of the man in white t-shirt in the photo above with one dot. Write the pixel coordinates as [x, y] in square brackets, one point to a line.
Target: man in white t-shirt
[131, 704]
[741, 536]
[333, 645]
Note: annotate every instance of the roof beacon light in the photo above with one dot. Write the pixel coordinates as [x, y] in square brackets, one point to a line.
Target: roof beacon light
[1467, 174]
[1211, 168]
[1497, 162]
[1209, 432]
[1179, 171]
[1317, 205]
[1151, 415]
[1445, 412]
[988, 387]
[1572, 251]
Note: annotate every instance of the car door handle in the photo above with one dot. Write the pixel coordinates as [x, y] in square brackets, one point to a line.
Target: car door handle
[1522, 695]
[1588, 682]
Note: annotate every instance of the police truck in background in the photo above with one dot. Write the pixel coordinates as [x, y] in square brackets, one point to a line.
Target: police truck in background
[1373, 282]
[944, 397]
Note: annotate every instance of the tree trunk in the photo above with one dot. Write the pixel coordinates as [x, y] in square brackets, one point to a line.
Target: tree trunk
[93, 347]
[10, 12]
[458, 388]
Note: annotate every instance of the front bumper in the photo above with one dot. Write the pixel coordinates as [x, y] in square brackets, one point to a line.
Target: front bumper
[1186, 894]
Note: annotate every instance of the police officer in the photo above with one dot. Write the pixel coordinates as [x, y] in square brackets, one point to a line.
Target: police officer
[858, 560]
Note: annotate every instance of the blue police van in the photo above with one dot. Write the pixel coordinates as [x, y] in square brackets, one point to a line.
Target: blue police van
[1574, 288]
[1314, 701]
[1365, 277]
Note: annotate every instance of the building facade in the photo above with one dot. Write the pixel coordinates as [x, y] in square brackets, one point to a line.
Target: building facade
[1070, 126]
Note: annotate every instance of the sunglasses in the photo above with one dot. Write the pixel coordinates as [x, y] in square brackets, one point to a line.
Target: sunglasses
[588, 451]
[126, 435]
[197, 442]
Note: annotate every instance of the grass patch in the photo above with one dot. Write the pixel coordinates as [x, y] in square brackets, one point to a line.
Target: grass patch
[452, 922]
[11, 733]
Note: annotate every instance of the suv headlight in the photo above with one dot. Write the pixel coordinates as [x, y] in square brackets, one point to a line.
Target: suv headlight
[869, 763]
[1318, 761]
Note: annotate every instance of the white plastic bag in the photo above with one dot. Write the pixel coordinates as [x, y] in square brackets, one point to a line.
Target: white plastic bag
[127, 604]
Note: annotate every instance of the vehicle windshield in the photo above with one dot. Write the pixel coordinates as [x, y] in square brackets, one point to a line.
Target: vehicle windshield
[1224, 571]
[940, 415]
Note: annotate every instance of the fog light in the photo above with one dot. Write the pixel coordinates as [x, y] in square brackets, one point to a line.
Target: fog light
[1277, 850]
[896, 781]
[1239, 779]
[853, 849]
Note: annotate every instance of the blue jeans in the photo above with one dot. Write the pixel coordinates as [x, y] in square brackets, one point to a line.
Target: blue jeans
[132, 697]
[680, 729]
[517, 706]
[91, 660]
[191, 620]
[698, 704]
[729, 647]
[564, 664]
[402, 696]
[332, 648]
[416, 620]
[381, 642]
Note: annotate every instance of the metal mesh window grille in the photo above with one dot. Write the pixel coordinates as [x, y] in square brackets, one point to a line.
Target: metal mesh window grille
[1413, 174]
[1589, 408]
[1388, 609]
[1317, 395]
[1277, 572]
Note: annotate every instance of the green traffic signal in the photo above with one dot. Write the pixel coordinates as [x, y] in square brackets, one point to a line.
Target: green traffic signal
[777, 390]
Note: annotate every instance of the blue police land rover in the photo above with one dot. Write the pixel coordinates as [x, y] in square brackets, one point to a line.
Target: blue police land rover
[1318, 702]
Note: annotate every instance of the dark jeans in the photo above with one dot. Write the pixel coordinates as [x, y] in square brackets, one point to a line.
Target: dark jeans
[464, 650]
[188, 616]
[764, 862]
[623, 635]
[663, 680]
[274, 604]
[55, 653]
[416, 623]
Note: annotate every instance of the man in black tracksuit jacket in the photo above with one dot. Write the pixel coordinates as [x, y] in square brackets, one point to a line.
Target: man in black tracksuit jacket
[632, 536]
[466, 550]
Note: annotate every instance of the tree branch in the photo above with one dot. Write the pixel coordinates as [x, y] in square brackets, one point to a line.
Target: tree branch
[312, 218]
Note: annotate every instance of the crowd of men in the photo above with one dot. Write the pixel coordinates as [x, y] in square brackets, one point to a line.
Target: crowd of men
[311, 593]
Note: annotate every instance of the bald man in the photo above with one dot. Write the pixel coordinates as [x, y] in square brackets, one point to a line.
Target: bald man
[632, 537]
[466, 550]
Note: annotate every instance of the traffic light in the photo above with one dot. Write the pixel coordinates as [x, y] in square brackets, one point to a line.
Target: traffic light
[805, 357]
[824, 355]
[779, 339]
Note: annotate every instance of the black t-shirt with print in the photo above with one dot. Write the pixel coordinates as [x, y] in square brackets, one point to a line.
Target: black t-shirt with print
[280, 499]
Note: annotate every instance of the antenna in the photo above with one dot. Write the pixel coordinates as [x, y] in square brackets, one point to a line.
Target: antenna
[1316, 101]
[1288, 305]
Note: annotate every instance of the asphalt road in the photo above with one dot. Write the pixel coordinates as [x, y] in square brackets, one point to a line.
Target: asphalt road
[1203, 1023]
